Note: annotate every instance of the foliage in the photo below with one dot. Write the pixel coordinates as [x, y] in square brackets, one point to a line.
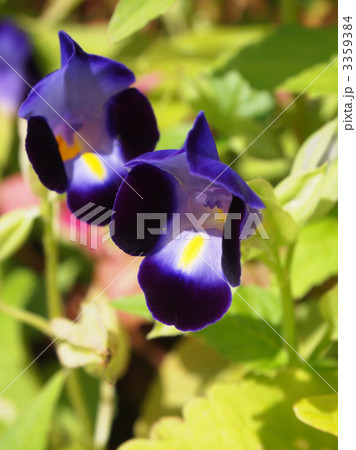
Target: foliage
[269, 91]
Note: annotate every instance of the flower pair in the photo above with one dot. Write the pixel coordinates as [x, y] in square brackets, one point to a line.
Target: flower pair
[91, 135]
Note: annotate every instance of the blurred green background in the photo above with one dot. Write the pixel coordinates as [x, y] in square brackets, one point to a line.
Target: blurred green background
[247, 64]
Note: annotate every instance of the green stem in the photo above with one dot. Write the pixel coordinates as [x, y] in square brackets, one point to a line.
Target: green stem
[54, 304]
[27, 317]
[76, 397]
[322, 347]
[289, 325]
[104, 415]
[289, 11]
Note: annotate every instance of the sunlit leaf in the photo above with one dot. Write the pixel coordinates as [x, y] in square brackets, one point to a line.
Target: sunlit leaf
[132, 15]
[15, 227]
[313, 330]
[251, 300]
[226, 100]
[255, 412]
[320, 412]
[320, 78]
[264, 188]
[319, 148]
[200, 428]
[278, 224]
[185, 372]
[300, 194]
[329, 309]
[286, 53]
[315, 258]
[135, 304]
[243, 336]
[162, 330]
[16, 290]
[30, 430]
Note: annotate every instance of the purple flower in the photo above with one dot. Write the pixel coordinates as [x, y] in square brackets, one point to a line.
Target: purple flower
[186, 274]
[84, 124]
[15, 56]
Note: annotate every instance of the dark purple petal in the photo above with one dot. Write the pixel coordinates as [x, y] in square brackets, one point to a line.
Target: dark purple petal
[200, 155]
[200, 141]
[42, 150]
[95, 184]
[131, 120]
[67, 47]
[147, 189]
[192, 296]
[231, 255]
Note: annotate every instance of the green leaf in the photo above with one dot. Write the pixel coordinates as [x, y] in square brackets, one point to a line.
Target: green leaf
[16, 290]
[243, 336]
[289, 51]
[319, 148]
[193, 366]
[311, 188]
[263, 188]
[313, 330]
[227, 100]
[324, 82]
[135, 304]
[217, 421]
[329, 191]
[320, 412]
[161, 330]
[15, 227]
[30, 430]
[278, 224]
[300, 194]
[250, 413]
[257, 300]
[315, 258]
[328, 308]
[132, 15]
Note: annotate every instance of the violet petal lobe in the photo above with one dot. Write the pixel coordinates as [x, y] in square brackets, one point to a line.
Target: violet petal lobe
[131, 120]
[94, 179]
[185, 289]
[146, 190]
[43, 153]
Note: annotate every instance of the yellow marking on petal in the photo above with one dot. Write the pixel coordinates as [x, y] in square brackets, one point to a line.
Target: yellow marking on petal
[191, 251]
[221, 218]
[95, 164]
[68, 151]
